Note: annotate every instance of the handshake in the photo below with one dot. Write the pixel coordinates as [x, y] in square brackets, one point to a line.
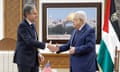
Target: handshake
[52, 48]
[55, 48]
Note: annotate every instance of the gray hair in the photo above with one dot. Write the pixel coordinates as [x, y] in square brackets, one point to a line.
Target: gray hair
[28, 8]
[82, 15]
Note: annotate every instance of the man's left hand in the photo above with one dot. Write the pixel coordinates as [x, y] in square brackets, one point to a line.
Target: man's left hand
[72, 50]
[41, 58]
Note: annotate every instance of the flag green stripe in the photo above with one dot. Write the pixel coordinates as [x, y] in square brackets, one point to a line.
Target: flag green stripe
[104, 59]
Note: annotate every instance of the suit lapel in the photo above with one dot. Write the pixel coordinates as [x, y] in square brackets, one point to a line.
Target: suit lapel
[80, 33]
[30, 30]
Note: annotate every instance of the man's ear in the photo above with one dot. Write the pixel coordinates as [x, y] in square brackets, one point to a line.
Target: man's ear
[81, 21]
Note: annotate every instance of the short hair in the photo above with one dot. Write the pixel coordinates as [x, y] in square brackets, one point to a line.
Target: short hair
[82, 15]
[27, 9]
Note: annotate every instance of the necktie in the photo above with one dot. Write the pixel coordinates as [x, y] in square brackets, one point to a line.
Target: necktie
[75, 37]
[33, 30]
[32, 26]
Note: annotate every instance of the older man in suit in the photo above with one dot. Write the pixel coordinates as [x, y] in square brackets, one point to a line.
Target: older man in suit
[81, 45]
[26, 54]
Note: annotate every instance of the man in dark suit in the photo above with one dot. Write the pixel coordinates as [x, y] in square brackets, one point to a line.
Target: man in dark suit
[26, 54]
[81, 45]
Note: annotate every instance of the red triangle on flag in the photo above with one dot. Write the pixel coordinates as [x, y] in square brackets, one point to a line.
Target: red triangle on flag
[106, 18]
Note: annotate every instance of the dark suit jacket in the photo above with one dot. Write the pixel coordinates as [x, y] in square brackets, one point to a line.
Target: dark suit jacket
[26, 47]
[84, 59]
[116, 28]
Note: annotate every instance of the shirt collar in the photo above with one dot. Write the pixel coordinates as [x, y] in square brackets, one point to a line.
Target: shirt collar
[81, 27]
[29, 22]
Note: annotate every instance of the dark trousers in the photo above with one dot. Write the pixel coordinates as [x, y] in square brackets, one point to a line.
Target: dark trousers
[22, 68]
[70, 69]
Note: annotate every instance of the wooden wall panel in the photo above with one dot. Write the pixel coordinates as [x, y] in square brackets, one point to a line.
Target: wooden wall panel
[12, 14]
[37, 21]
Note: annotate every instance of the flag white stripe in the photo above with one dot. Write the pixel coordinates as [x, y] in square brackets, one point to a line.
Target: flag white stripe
[111, 40]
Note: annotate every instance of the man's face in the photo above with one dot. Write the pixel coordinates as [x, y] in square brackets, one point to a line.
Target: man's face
[33, 15]
[77, 22]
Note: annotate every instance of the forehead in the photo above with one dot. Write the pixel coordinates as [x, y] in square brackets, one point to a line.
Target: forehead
[76, 16]
[34, 10]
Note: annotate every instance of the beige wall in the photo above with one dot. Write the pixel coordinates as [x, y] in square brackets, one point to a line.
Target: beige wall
[1, 19]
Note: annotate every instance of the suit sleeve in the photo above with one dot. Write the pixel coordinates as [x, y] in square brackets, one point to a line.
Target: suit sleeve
[25, 35]
[89, 43]
[65, 47]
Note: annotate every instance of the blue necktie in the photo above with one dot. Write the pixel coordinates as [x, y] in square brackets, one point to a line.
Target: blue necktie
[75, 37]
[33, 30]
[33, 27]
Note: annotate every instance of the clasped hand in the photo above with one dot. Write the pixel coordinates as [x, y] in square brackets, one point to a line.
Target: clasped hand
[52, 48]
